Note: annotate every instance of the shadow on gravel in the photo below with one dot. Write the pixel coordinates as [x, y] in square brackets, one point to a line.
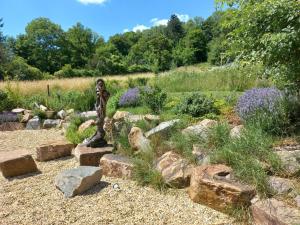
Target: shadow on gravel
[63, 159]
[96, 189]
[24, 176]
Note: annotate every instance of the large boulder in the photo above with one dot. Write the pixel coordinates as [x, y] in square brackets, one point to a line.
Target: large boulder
[174, 169]
[274, 212]
[290, 161]
[87, 156]
[116, 166]
[50, 123]
[34, 124]
[78, 180]
[161, 128]
[200, 129]
[11, 126]
[211, 185]
[87, 124]
[53, 150]
[16, 163]
[137, 140]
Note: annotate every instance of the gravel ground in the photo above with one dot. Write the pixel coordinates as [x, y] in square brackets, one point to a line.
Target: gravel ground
[35, 200]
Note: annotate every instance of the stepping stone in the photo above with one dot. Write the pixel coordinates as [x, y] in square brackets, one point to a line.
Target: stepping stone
[88, 156]
[49, 123]
[78, 180]
[53, 150]
[16, 163]
[116, 166]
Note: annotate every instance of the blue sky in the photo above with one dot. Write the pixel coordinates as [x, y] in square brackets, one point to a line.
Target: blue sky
[106, 17]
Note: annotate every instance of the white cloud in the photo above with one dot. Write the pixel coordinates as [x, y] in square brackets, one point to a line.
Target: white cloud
[183, 17]
[157, 22]
[97, 2]
[140, 28]
[125, 30]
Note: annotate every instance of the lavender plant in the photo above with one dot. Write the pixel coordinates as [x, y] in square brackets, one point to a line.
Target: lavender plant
[130, 98]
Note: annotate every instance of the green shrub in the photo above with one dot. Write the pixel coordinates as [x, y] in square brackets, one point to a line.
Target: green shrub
[154, 98]
[113, 103]
[219, 135]
[137, 82]
[197, 105]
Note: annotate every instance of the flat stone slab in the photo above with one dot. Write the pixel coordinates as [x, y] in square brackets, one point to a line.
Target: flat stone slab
[116, 166]
[87, 156]
[162, 127]
[78, 180]
[53, 150]
[16, 163]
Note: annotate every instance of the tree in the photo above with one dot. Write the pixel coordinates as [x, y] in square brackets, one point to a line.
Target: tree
[175, 29]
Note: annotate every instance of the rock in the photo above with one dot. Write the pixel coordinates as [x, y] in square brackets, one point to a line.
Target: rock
[70, 111]
[34, 124]
[108, 128]
[88, 114]
[78, 180]
[87, 124]
[26, 117]
[43, 108]
[48, 123]
[134, 118]
[53, 150]
[174, 169]
[297, 200]
[211, 185]
[290, 161]
[121, 115]
[116, 166]
[137, 140]
[87, 156]
[151, 118]
[11, 126]
[16, 163]
[236, 131]
[18, 110]
[200, 155]
[274, 212]
[161, 128]
[62, 114]
[200, 129]
[9, 117]
[281, 185]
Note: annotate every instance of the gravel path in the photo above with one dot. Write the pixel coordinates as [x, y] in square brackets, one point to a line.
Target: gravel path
[35, 200]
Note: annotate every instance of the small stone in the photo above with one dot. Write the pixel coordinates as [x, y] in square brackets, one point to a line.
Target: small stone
[138, 141]
[62, 114]
[200, 129]
[49, 123]
[53, 150]
[116, 166]
[290, 161]
[161, 128]
[26, 117]
[281, 185]
[16, 163]
[121, 115]
[236, 131]
[78, 180]
[43, 108]
[134, 118]
[88, 114]
[87, 156]
[18, 110]
[34, 124]
[151, 118]
[87, 124]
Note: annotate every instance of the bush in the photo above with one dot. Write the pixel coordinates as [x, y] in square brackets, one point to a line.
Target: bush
[197, 105]
[154, 98]
[130, 98]
[137, 82]
[113, 103]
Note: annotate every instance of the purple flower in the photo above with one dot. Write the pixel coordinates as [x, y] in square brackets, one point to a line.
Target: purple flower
[265, 100]
[130, 97]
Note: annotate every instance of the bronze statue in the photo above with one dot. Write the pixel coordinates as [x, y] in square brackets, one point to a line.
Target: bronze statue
[97, 140]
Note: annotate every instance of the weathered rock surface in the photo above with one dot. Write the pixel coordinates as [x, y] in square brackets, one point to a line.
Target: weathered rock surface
[200, 129]
[108, 128]
[200, 155]
[18, 110]
[211, 185]
[62, 114]
[87, 124]
[53, 150]
[161, 128]
[8, 117]
[274, 212]
[236, 131]
[87, 156]
[11, 126]
[281, 185]
[34, 124]
[175, 170]
[78, 180]
[17, 162]
[297, 200]
[49, 123]
[121, 115]
[137, 140]
[26, 117]
[290, 161]
[116, 166]
[151, 118]
[43, 108]
[88, 114]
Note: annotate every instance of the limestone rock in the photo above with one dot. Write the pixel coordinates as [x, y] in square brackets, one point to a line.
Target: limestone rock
[87, 124]
[17, 162]
[34, 124]
[174, 169]
[236, 131]
[87, 156]
[18, 110]
[211, 185]
[134, 118]
[26, 117]
[281, 185]
[290, 161]
[116, 166]
[121, 115]
[78, 180]
[88, 114]
[274, 212]
[49, 123]
[11, 126]
[200, 129]
[62, 114]
[161, 128]
[43, 108]
[151, 118]
[53, 150]
[137, 140]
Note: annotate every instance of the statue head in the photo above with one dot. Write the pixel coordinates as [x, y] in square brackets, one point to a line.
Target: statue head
[100, 86]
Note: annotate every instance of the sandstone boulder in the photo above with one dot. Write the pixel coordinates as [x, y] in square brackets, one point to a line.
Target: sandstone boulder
[274, 212]
[174, 169]
[34, 124]
[53, 150]
[200, 129]
[137, 140]
[87, 156]
[17, 162]
[116, 166]
[211, 185]
[87, 124]
[49, 123]
[161, 128]
[78, 180]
